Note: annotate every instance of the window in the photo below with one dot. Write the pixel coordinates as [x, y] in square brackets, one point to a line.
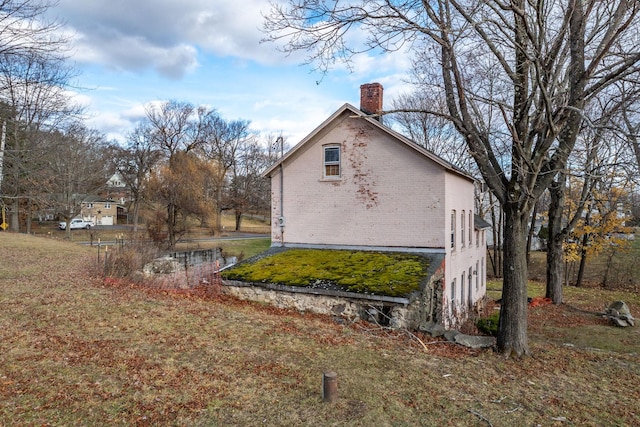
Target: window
[470, 285]
[90, 205]
[462, 288]
[453, 229]
[107, 205]
[477, 275]
[332, 161]
[462, 236]
[453, 290]
[470, 228]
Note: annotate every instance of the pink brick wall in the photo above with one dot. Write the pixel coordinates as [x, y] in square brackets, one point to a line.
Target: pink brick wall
[387, 195]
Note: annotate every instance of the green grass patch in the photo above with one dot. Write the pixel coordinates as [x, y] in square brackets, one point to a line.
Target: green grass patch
[391, 274]
[244, 248]
[241, 248]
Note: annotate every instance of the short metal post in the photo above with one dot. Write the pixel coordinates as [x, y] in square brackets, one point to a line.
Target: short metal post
[329, 387]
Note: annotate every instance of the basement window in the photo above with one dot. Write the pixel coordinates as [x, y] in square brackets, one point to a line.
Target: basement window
[332, 161]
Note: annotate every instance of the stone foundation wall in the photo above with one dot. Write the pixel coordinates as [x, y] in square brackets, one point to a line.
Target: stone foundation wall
[386, 311]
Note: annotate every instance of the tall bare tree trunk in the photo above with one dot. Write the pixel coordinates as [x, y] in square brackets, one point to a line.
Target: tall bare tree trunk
[29, 214]
[238, 219]
[218, 227]
[532, 229]
[136, 214]
[171, 225]
[15, 215]
[496, 230]
[583, 250]
[512, 329]
[555, 240]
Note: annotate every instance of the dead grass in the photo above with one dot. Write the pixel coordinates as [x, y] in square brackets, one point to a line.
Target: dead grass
[75, 351]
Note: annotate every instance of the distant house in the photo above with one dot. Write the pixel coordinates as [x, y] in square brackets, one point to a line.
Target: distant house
[117, 189]
[354, 183]
[99, 210]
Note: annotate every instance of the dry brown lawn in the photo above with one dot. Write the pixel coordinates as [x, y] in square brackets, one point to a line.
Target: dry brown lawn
[78, 350]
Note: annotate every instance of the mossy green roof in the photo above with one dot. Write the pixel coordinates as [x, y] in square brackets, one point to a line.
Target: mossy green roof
[378, 273]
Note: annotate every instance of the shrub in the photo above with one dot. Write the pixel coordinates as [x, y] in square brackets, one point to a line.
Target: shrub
[129, 259]
[489, 325]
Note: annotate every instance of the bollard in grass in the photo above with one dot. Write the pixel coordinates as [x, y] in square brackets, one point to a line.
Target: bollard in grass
[329, 387]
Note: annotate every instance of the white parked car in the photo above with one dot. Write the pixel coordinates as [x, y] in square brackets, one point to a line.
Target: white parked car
[77, 224]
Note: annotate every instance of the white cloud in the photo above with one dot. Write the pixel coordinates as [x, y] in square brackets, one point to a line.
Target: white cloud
[165, 35]
[207, 52]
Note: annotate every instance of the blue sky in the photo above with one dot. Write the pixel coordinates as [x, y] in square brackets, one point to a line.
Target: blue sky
[207, 52]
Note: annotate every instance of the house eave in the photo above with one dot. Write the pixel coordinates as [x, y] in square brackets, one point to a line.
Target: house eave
[359, 115]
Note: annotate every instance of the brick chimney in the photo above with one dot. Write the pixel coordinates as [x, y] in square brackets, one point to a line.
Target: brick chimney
[371, 98]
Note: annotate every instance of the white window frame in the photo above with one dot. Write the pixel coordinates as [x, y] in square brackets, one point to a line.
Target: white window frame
[462, 229]
[331, 163]
[453, 229]
[470, 228]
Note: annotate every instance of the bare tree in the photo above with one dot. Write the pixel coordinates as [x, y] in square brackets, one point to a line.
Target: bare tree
[248, 190]
[173, 129]
[76, 167]
[178, 186]
[24, 31]
[221, 143]
[547, 60]
[134, 163]
[435, 133]
[34, 77]
[630, 118]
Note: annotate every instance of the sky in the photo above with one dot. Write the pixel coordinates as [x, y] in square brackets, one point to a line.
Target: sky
[205, 52]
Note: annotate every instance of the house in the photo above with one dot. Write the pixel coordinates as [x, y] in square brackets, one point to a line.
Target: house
[99, 210]
[354, 183]
[117, 189]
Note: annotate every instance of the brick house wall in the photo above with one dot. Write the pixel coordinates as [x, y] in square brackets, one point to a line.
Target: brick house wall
[390, 195]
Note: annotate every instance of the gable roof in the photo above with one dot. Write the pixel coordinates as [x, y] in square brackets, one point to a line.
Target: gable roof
[376, 123]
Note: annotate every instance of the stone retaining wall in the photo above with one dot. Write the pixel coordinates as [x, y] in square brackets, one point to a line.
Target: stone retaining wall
[387, 311]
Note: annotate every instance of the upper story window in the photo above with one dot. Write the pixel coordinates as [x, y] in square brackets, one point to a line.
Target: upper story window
[332, 161]
[90, 205]
[462, 236]
[107, 205]
[453, 229]
[470, 228]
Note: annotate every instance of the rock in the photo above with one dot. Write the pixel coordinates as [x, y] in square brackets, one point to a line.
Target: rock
[163, 265]
[619, 314]
[475, 341]
[339, 320]
[618, 321]
[621, 307]
[450, 335]
[433, 329]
